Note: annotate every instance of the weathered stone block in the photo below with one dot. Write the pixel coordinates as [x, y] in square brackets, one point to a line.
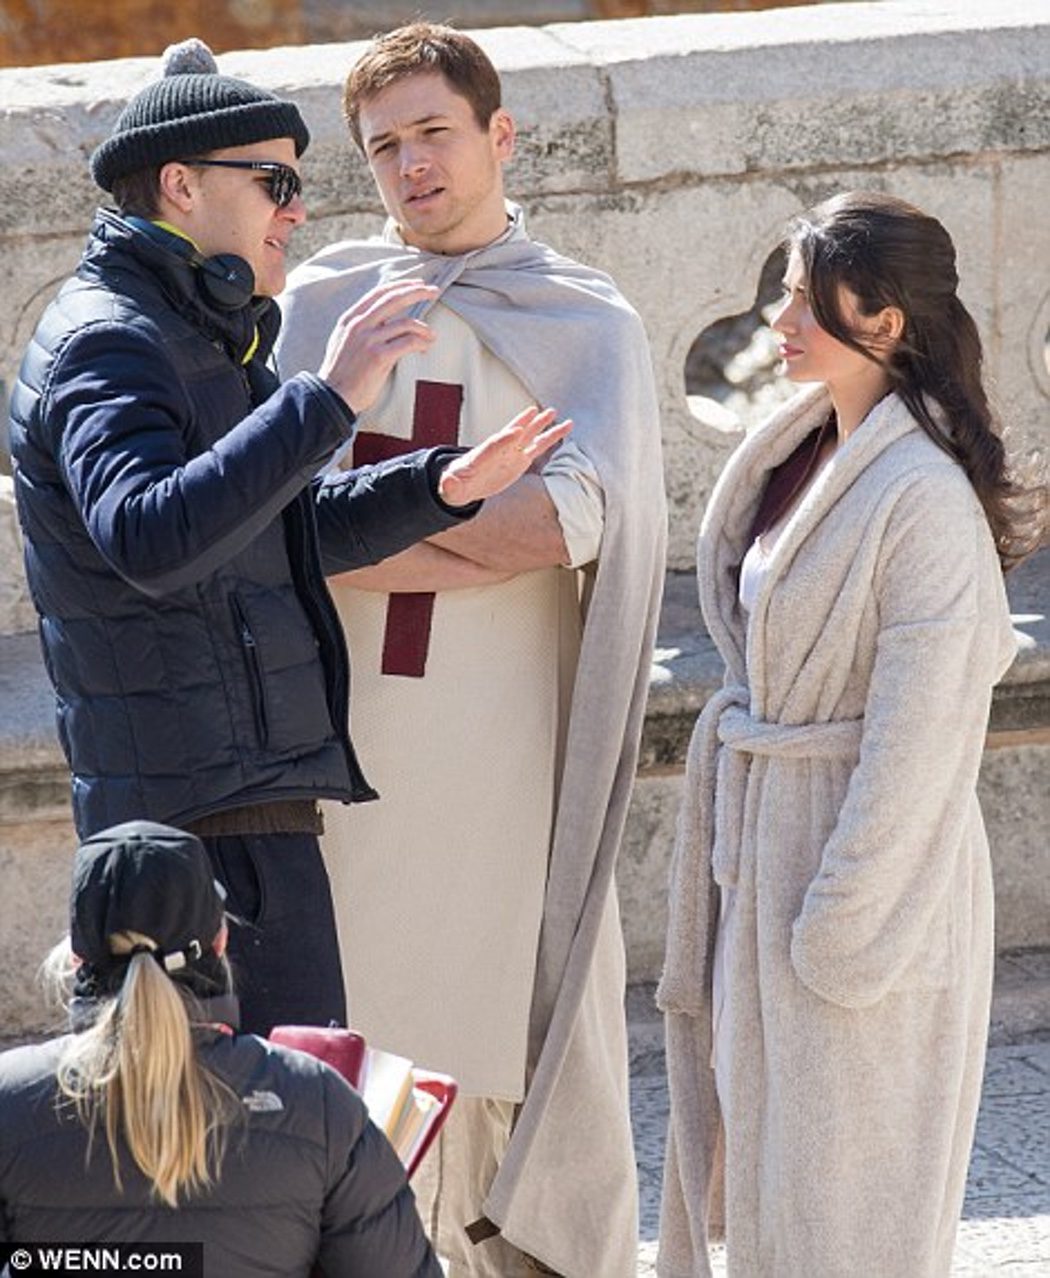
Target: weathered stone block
[1022, 251]
[34, 271]
[747, 93]
[16, 608]
[35, 860]
[1015, 798]
[668, 151]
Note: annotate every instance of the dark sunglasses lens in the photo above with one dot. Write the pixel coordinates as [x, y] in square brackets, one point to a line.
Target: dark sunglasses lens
[285, 185]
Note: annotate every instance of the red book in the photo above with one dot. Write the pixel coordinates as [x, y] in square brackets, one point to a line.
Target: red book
[409, 1104]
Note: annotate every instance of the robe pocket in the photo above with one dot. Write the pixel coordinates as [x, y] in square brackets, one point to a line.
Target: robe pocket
[824, 963]
[934, 966]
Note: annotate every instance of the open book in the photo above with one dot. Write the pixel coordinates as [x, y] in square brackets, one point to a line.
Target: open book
[407, 1104]
[398, 1101]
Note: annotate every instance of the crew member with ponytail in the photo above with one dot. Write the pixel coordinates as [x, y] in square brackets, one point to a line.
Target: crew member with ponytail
[155, 1120]
[829, 956]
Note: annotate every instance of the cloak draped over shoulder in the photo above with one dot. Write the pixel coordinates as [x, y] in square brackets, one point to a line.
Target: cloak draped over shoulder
[567, 333]
[831, 784]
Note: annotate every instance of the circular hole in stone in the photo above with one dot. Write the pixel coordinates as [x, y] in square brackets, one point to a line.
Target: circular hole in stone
[731, 380]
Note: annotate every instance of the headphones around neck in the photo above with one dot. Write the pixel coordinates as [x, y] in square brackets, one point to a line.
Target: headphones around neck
[225, 281]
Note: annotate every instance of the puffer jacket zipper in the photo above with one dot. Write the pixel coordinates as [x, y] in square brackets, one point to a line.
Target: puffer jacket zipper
[253, 663]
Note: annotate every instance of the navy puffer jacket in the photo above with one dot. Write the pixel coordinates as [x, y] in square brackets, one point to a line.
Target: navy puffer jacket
[177, 540]
[306, 1176]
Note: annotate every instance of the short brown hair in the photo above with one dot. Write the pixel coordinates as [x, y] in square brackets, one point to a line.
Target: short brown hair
[416, 49]
[138, 193]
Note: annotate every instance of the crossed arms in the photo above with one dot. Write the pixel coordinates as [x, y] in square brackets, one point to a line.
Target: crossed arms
[552, 516]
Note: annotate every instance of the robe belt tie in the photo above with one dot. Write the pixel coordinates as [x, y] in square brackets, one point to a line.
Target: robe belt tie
[745, 737]
[837, 740]
[707, 842]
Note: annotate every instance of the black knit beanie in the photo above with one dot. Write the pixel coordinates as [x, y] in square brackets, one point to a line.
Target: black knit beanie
[190, 111]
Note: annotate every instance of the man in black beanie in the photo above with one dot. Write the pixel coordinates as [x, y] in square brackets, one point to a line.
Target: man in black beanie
[176, 537]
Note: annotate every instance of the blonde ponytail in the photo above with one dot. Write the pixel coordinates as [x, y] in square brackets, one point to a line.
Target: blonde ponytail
[136, 1068]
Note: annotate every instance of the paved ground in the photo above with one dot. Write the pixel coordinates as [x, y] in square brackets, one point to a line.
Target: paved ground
[1005, 1231]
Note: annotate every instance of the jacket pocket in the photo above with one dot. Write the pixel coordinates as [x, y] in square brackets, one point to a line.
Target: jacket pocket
[254, 670]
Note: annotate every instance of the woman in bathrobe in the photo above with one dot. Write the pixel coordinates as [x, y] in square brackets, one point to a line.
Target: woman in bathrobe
[829, 958]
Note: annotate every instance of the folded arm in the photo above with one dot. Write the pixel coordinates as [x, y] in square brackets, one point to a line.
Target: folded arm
[555, 516]
[370, 514]
[551, 516]
[520, 531]
[455, 482]
[423, 567]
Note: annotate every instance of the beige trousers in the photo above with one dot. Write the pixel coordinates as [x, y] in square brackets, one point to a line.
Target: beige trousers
[452, 1183]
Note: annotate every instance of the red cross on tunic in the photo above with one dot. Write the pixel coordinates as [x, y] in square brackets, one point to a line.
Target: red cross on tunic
[435, 420]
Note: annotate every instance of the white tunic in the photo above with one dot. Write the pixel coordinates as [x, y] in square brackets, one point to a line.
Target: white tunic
[439, 886]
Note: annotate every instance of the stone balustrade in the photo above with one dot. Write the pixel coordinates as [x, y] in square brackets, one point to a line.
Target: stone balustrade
[670, 152]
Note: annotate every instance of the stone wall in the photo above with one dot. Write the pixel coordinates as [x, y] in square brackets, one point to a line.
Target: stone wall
[669, 151]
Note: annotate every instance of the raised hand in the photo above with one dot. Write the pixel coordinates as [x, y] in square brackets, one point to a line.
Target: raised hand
[371, 336]
[494, 465]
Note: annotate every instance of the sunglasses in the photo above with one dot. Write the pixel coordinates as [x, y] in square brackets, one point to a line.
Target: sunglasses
[282, 182]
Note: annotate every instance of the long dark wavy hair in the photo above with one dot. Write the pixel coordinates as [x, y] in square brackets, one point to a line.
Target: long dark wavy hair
[889, 253]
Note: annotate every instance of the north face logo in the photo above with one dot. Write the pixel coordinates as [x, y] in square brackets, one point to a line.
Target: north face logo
[263, 1102]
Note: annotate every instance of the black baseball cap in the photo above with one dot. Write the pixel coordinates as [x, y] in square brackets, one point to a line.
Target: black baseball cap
[146, 878]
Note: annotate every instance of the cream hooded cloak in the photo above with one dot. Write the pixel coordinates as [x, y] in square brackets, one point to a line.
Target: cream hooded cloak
[565, 1190]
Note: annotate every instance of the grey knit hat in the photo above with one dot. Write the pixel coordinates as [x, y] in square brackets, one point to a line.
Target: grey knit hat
[190, 111]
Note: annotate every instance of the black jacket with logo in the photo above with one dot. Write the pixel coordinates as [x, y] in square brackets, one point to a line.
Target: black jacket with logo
[307, 1176]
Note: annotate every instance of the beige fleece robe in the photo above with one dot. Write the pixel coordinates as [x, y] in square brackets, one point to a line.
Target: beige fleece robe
[832, 783]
